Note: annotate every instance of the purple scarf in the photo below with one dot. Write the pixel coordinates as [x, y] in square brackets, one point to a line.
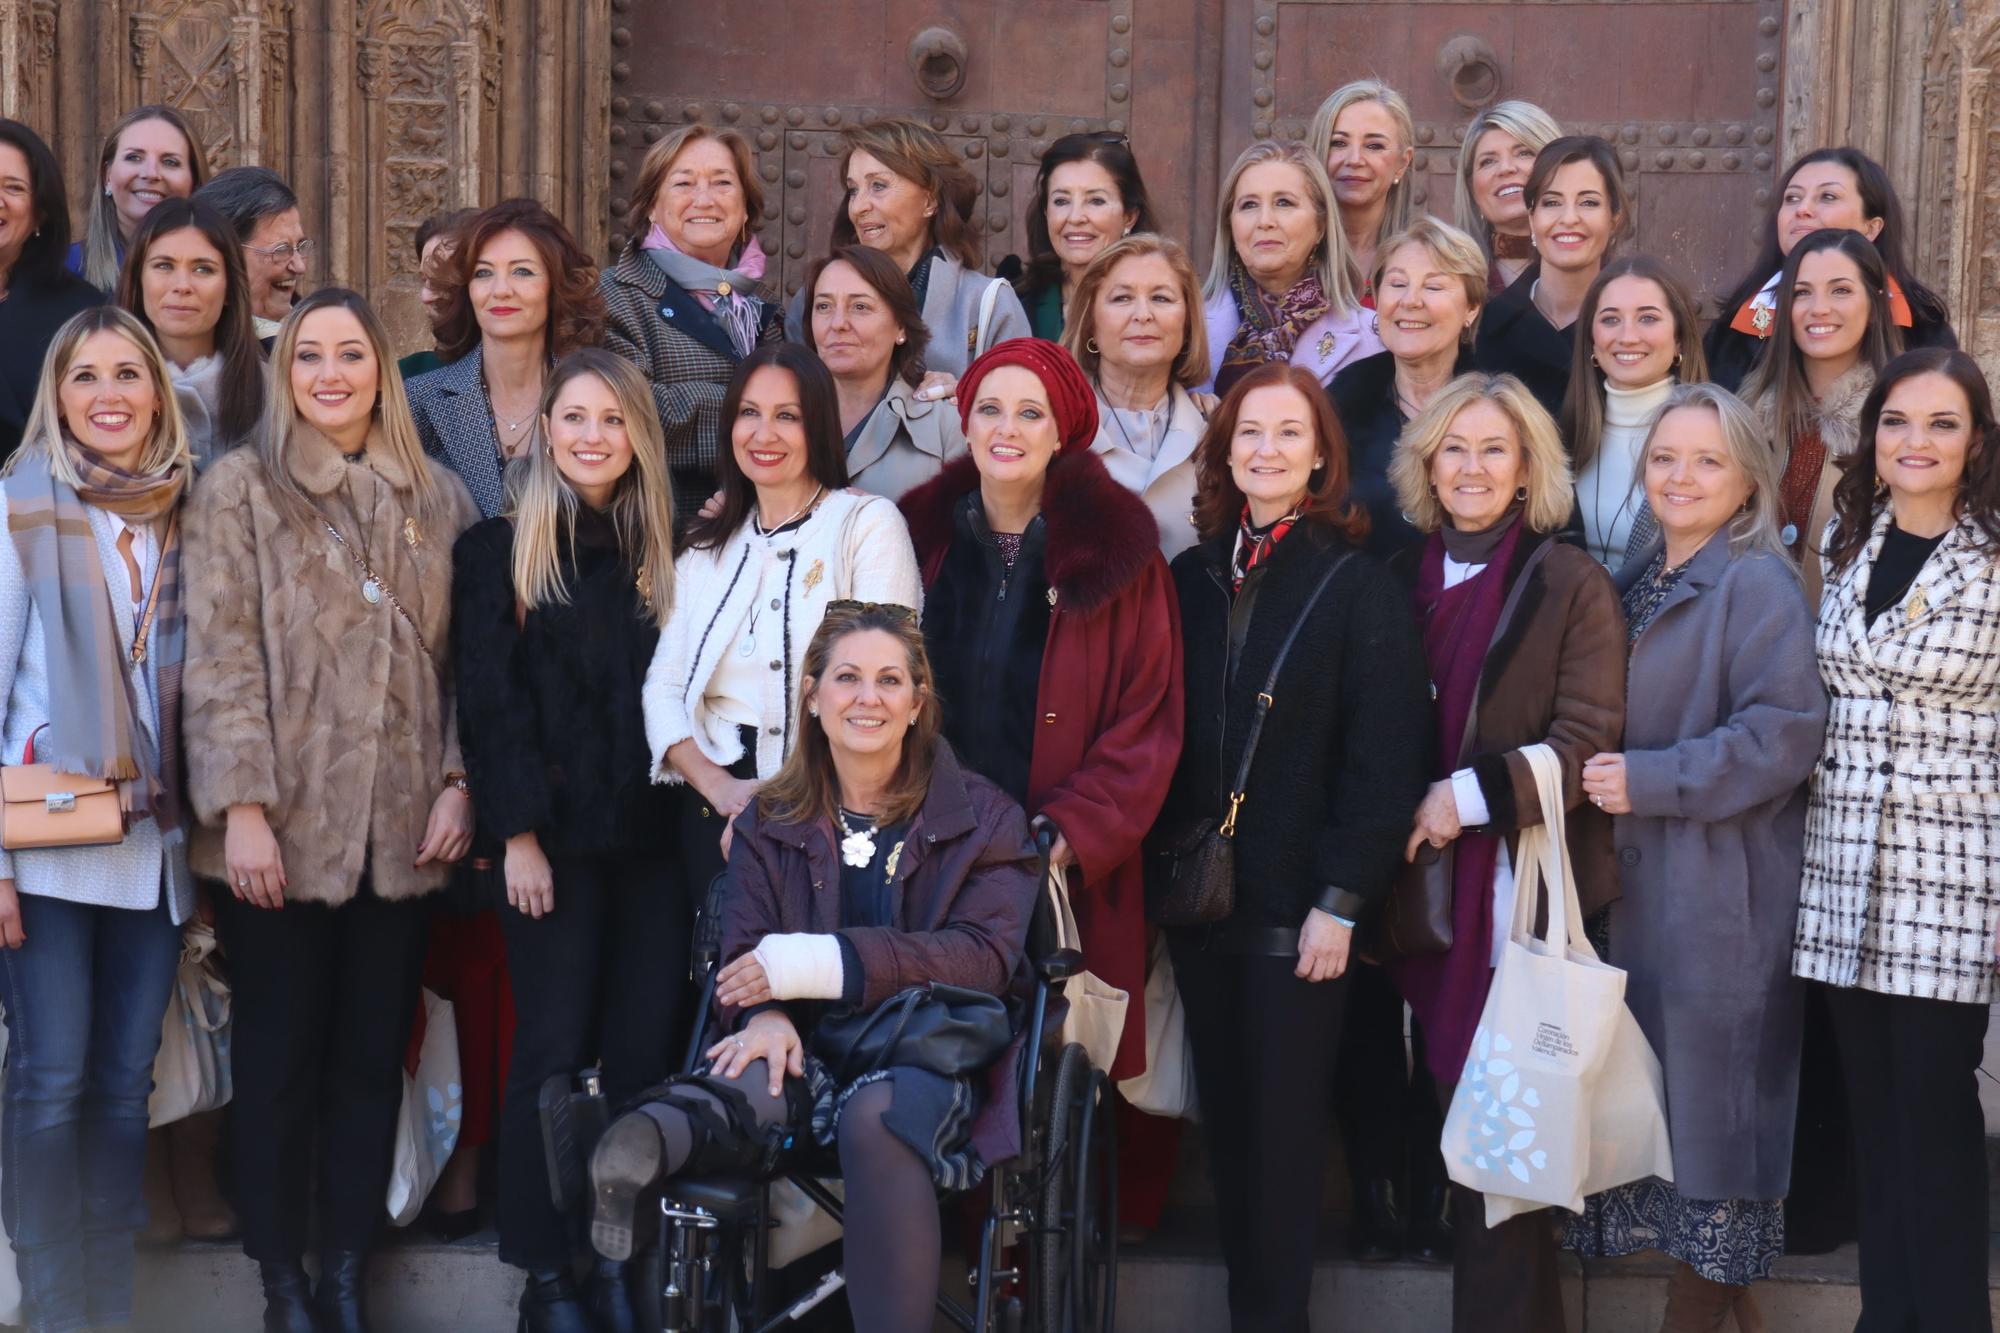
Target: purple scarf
[1447, 991]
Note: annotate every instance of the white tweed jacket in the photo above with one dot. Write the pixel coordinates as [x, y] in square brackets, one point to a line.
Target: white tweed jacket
[854, 545]
[129, 874]
[1901, 888]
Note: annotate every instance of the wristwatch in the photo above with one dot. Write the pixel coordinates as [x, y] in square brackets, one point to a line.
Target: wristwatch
[458, 780]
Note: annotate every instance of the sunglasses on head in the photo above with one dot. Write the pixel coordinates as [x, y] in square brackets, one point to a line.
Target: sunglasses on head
[893, 610]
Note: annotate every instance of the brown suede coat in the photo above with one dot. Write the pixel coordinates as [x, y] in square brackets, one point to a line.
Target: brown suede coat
[301, 695]
[1554, 674]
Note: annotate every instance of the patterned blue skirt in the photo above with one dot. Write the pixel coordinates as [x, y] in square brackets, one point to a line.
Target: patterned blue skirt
[1725, 1240]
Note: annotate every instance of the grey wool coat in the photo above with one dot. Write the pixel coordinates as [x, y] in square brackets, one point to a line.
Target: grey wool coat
[456, 427]
[952, 296]
[1724, 713]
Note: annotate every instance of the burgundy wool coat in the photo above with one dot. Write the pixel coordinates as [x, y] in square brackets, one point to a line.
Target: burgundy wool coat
[1108, 710]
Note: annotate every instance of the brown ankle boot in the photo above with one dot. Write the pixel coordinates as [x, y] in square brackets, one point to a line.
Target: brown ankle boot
[205, 1214]
[163, 1218]
[1694, 1304]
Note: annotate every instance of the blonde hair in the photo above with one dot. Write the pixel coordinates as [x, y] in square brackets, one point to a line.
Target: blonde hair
[1755, 527]
[1451, 250]
[166, 449]
[101, 237]
[1528, 125]
[1396, 213]
[392, 413]
[1333, 264]
[1550, 494]
[543, 504]
[659, 160]
[1191, 365]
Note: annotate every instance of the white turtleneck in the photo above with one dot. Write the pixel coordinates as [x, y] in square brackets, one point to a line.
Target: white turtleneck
[1606, 489]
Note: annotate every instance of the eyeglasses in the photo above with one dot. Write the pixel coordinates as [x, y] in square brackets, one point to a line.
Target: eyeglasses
[891, 610]
[282, 254]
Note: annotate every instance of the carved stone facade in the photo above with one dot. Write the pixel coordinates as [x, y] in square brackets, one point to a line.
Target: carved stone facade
[383, 111]
[380, 112]
[1910, 82]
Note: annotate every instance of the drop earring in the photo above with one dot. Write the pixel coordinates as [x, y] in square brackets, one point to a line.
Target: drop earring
[812, 710]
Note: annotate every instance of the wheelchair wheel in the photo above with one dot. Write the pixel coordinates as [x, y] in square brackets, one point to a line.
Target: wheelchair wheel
[1076, 1249]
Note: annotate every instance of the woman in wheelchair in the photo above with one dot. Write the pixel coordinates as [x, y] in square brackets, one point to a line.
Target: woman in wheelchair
[871, 863]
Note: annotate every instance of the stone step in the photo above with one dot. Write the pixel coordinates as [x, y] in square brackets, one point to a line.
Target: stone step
[1173, 1283]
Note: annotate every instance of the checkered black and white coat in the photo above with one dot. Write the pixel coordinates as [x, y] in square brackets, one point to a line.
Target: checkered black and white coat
[1901, 889]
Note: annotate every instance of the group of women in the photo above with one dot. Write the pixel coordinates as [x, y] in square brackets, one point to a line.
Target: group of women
[654, 575]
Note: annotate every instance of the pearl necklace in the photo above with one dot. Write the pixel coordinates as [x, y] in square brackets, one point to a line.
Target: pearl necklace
[857, 849]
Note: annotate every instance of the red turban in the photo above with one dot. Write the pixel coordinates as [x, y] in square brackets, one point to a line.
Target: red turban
[1070, 396]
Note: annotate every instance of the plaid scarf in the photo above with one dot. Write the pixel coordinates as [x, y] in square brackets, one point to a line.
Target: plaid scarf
[92, 727]
[1269, 326]
[1254, 545]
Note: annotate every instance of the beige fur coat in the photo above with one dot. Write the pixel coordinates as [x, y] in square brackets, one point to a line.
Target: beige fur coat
[301, 695]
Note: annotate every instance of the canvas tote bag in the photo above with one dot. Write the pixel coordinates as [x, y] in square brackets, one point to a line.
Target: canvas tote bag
[1628, 1102]
[1095, 1018]
[1167, 1086]
[1519, 1124]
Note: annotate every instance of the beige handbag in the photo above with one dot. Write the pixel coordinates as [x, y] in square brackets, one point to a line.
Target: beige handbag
[1095, 1019]
[44, 808]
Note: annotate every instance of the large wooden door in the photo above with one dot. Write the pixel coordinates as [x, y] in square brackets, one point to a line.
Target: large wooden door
[1687, 89]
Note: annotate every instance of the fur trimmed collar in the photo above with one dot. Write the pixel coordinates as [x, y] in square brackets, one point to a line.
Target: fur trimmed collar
[1836, 416]
[1100, 535]
[317, 464]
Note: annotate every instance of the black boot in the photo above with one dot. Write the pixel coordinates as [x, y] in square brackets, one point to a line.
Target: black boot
[1378, 1224]
[1432, 1235]
[626, 1162]
[611, 1308]
[550, 1304]
[287, 1298]
[343, 1278]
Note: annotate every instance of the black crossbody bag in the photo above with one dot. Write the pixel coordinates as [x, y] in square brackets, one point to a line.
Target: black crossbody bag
[1191, 871]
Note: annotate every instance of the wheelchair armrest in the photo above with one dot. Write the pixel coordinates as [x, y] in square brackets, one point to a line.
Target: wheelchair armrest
[1059, 965]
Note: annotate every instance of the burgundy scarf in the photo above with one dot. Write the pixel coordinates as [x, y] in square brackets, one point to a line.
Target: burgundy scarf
[1447, 991]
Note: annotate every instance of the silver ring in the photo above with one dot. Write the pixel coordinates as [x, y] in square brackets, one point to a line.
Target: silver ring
[738, 1041]
[242, 883]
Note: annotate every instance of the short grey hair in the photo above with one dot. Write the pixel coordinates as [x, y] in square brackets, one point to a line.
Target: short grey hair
[246, 196]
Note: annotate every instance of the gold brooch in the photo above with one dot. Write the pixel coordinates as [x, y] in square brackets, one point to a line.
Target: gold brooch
[410, 533]
[1914, 609]
[895, 855]
[1325, 345]
[813, 575]
[1760, 320]
[722, 289]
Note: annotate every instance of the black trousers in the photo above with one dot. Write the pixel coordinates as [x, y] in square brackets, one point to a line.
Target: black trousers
[1263, 1044]
[1388, 1102]
[601, 979]
[1920, 1145]
[323, 1002]
[699, 833]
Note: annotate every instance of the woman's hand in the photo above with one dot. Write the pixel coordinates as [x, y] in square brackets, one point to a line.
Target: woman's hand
[711, 506]
[769, 1037]
[743, 983]
[1323, 946]
[937, 384]
[448, 834]
[1060, 852]
[1604, 783]
[531, 886]
[1436, 822]
[12, 936]
[250, 851]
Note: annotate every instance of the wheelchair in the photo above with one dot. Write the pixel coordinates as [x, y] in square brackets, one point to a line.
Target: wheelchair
[1046, 1257]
